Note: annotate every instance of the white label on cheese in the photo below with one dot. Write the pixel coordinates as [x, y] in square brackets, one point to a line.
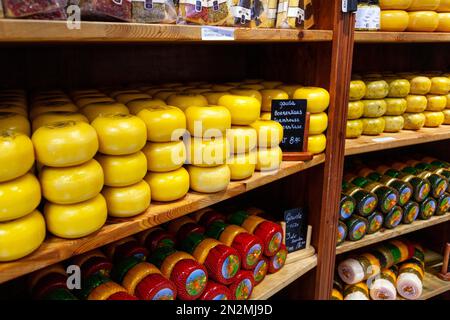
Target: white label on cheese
[384, 139]
[241, 12]
[204, 3]
[217, 34]
[282, 6]
[271, 13]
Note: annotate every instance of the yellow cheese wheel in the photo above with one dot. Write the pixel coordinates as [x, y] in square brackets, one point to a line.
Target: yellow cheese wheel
[420, 85]
[444, 22]
[170, 262]
[395, 106]
[52, 106]
[242, 139]
[357, 90]
[76, 220]
[165, 94]
[373, 126]
[394, 20]
[197, 91]
[271, 94]
[214, 96]
[417, 5]
[242, 166]
[440, 85]
[136, 274]
[84, 101]
[354, 129]
[8, 108]
[289, 89]
[414, 121]
[164, 123]
[318, 99]
[269, 159]
[222, 87]
[168, 186]
[77, 92]
[128, 97]
[317, 143]
[120, 134]
[398, 88]
[123, 202]
[72, 184]
[355, 110]
[201, 251]
[247, 92]
[209, 180]
[444, 6]
[395, 4]
[207, 152]
[266, 116]
[115, 93]
[269, 133]
[121, 171]
[255, 86]
[230, 232]
[318, 123]
[393, 123]
[154, 91]
[244, 110]
[14, 122]
[57, 116]
[93, 110]
[271, 84]
[423, 21]
[65, 143]
[433, 119]
[19, 197]
[376, 89]
[136, 106]
[16, 155]
[374, 108]
[20, 237]
[105, 290]
[164, 156]
[185, 100]
[446, 113]
[416, 103]
[211, 121]
[436, 102]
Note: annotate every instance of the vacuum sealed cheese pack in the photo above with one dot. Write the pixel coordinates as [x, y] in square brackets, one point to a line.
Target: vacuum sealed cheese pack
[293, 14]
[264, 13]
[154, 11]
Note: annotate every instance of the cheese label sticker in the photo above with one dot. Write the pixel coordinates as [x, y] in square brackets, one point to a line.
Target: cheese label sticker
[411, 215]
[441, 188]
[275, 242]
[279, 259]
[196, 282]
[405, 195]
[220, 297]
[253, 255]
[424, 191]
[244, 290]
[217, 34]
[369, 205]
[390, 201]
[347, 209]
[230, 266]
[396, 218]
[260, 271]
[444, 206]
[376, 223]
[429, 209]
[342, 234]
[164, 294]
[359, 231]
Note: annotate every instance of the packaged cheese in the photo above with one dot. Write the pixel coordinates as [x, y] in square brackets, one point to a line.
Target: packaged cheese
[106, 10]
[295, 14]
[264, 13]
[154, 11]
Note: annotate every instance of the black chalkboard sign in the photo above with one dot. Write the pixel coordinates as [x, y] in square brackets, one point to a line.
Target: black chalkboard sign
[296, 229]
[291, 114]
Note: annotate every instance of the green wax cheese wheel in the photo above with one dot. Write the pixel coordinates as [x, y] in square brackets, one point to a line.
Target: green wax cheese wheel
[341, 232]
[427, 208]
[420, 186]
[376, 220]
[191, 242]
[410, 212]
[438, 185]
[393, 218]
[357, 227]
[238, 217]
[366, 202]
[159, 255]
[395, 252]
[215, 229]
[387, 198]
[404, 190]
[374, 176]
[60, 294]
[347, 207]
[443, 204]
[121, 268]
[90, 283]
[410, 170]
[360, 182]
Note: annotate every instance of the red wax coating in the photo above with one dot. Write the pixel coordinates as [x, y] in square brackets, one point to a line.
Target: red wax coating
[48, 284]
[94, 265]
[183, 270]
[277, 261]
[130, 249]
[210, 217]
[154, 239]
[187, 229]
[250, 249]
[122, 296]
[152, 284]
[242, 287]
[266, 231]
[216, 291]
[223, 263]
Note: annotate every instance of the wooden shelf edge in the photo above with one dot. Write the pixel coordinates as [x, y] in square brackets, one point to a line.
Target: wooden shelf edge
[55, 249]
[56, 31]
[401, 37]
[385, 141]
[391, 233]
[433, 286]
[273, 283]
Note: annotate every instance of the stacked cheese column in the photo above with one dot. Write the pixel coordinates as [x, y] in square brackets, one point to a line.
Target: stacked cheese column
[396, 103]
[13, 111]
[355, 108]
[70, 179]
[374, 105]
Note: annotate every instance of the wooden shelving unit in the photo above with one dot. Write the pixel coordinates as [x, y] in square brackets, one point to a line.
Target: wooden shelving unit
[386, 234]
[384, 141]
[433, 286]
[401, 37]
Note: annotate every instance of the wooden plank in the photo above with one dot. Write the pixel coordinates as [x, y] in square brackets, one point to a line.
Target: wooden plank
[385, 234]
[57, 31]
[278, 281]
[394, 140]
[433, 286]
[300, 255]
[56, 249]
[403, 37]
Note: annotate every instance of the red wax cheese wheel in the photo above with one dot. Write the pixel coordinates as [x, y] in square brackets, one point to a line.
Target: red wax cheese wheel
[250, 249]
[271, 235]
[277, 261]
[175, 225]
[260, 271]
[96, 265]
[223, 263]
[122, 296]
[208, 216]
[136, 274]
[82, 258]
[36, 276]
[187, 229]
[156, 287]
[157, 238]
[215, 291]
[242, 287]
[190, 279]
[49, 283]
[110, 249]
[130, 249]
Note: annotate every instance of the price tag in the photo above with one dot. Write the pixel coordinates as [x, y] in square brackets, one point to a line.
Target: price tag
[217, 34]
[296, 229]
[384, 139]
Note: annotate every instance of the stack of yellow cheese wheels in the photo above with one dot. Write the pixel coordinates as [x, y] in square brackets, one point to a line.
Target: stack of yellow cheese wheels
[269, 135]
[318, 100]
[207, 148]
[396, 103]
[121, 138]
[13, 111]
[22, 227]
[164, 151]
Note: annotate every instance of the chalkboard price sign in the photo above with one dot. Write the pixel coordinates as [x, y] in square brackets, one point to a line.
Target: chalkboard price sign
[296, 229]
[291, 114]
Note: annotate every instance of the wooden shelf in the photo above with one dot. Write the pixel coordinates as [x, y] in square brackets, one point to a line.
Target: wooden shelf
[57, 31]
[385, 234]
[433, 286]
[273, 283]
[56, 249]
[401, 37]
[394, 140]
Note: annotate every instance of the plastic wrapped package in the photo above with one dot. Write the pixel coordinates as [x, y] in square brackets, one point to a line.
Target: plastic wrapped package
[241, 13]
[20, 8]
[219, 11]
[264, 13]
[193, 12]
[293, 14]
[154, 11]
[58, 14]
[105, 10]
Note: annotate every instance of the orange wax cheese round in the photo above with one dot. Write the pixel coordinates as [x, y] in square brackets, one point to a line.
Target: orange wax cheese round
[164, 156]
[209, 180]
[244, 110]
[211, 121]
[170, 262]
[271, 94]
[121, 171]
[269, 133]
[201, 251]
[230, 232]
[164, 123]
[14, 122]
[16, 155]
[137, 274]
[251, 223]
[123, 202]
[242, 139]
[184, 101]
[168, 186]
[136, 106]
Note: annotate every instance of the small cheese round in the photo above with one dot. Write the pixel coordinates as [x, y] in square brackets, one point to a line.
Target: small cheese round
[318, 99]
[16, 155]
[373, 126]
[317, 143]
[56, 116]
[137, 105]
[211, 121]
[14, 122]
[184, 101]
[269, 133]
[354, 129]
[242, 166]
[436, 103]
[423, 21]
[164, 156]
[123, 202]
[355, 110]
[393, 123]
[207, 152]
[318, 123]
[121, 171]
[209, 180]
[433, 119]
[394, 20]
[444, 22]
[93, 110]
[269, 159]
[440, 85]
[244, 110]
[416, 103]
[374, 108]
[357, 90]
[242, 139]
[271, 94]
[168, 186]
[164, 123]
[395, 106]
[414, 121]
[420, 85]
